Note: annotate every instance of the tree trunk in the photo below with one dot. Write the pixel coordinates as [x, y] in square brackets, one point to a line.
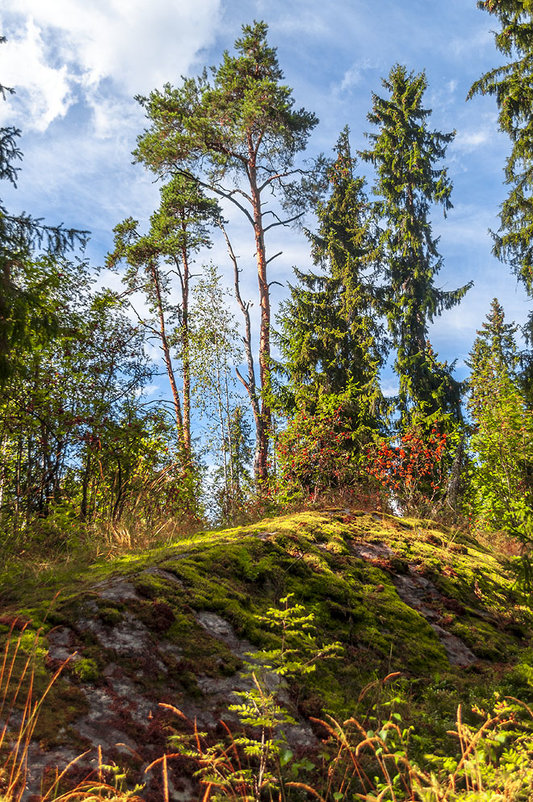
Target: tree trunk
[185, 345]
[249, 383]
[261, 457]
[168, 360]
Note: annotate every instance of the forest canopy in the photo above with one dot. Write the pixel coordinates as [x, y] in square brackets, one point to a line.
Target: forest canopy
[266, 403]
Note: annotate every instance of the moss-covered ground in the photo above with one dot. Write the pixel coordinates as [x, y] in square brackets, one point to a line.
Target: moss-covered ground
[136, 625]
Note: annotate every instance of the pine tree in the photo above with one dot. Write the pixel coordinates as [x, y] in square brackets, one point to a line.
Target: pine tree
[329, 334]
[237, 136]
[178, 228]
[404, 153]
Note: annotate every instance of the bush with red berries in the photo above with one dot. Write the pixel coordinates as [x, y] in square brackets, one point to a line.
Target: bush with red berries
[413, 471]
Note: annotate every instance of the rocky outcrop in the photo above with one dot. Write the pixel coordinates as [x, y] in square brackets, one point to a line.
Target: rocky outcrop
[175, 626]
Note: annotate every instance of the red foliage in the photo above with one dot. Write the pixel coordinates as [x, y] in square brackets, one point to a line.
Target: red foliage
[414, 470]
[315, 453]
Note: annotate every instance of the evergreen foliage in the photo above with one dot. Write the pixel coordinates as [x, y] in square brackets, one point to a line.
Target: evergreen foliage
[237, 135]
[82, 447]
[494, 356]
[404, 154]
[512, 86]
[329, 330]
[71, 400]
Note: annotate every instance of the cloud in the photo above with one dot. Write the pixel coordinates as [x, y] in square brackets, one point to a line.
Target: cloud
[469, 140]
[66, 51]
[355, 74]
[474, 43]
[44, 90]
[390, 388]
[451, 86]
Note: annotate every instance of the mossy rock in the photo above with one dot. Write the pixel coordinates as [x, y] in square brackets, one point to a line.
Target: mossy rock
[174, 625]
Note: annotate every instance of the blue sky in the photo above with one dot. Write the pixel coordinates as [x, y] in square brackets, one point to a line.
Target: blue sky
[77, 64]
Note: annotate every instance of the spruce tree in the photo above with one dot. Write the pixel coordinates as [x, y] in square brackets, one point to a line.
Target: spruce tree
[494, 357]
[512, 85]
[405, 153]
[502, 439]
[329, 334]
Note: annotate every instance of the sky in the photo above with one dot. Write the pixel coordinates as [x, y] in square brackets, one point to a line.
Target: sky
[77, 65]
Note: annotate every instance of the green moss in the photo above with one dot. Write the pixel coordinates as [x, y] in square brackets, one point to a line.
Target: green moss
[110, 615]
[238, 576]
[487, 642]
[86, 670]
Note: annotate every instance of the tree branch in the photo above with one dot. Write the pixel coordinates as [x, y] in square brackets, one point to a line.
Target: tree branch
[280, 222]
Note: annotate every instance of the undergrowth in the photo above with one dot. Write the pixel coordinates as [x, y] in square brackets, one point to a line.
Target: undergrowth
[371, 762]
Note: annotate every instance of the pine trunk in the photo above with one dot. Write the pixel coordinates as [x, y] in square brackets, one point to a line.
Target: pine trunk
[264, 423]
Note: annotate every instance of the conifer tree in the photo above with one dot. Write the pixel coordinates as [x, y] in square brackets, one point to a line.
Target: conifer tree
[502, 442]
[512, 85]
[329, 333]
[178, 228]
[494, 356]
[405, 153]
[237, 135]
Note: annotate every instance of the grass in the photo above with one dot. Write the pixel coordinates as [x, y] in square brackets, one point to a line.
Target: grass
[19, 710]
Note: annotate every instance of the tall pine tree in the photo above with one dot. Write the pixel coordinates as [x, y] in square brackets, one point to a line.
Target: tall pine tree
[178, 228]
[405, 153]
[237, 135]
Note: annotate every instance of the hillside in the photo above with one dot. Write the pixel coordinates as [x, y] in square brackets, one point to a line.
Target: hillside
[174, 626]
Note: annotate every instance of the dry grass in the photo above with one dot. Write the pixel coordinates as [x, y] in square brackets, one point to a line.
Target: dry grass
[19, 711]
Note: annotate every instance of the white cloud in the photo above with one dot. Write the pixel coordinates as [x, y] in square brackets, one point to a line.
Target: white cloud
[63, 51]
[308, 23]
[351, 77]
[451, 86]
[44, 90]
[475, 42]
[469, 140]
[355, 74]
[390, 388]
